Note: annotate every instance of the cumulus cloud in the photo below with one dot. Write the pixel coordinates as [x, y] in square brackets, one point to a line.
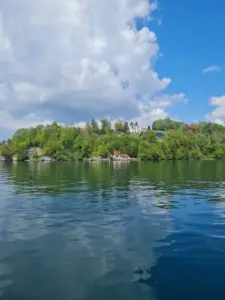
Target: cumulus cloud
[220, 122]
[71, 60]
[218, 113]
[166, 100]
[212, 69]
[31, 119]
[155, 108]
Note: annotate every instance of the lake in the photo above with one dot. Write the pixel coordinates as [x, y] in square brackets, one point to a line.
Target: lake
[112, 231]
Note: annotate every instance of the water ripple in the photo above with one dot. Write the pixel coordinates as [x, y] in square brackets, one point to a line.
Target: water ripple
[120, 231]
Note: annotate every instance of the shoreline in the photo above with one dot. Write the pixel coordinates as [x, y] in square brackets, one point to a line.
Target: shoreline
[89, 160]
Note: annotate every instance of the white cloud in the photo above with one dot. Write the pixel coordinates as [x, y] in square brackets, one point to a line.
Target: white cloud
[166, 100]
[220, 122]
[154, 108]
[212, 69]
[148, 117]
[31, 119]
[70, 60]
[218, 113]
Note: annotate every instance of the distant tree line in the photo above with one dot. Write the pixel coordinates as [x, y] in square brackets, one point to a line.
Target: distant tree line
[166, 124]
[181, 141]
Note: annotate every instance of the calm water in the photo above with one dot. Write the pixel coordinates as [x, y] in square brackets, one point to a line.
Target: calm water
[121, 231]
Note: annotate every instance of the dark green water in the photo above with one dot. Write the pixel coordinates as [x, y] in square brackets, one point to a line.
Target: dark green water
[123, 231]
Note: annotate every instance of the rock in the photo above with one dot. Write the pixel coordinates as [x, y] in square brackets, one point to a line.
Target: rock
[95, 158]
[15, 158]
[98, 159]
[2, 158]
[75, 159]
[118, 156]
[5, 158]
[34, 152]
[47, 159]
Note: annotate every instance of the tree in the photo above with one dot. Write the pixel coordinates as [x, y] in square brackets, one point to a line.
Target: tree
[5, 151]
[208, 129]
[166, 124]
[219, 153]
[94, 126]
[149, 136]
[119, 127]
[103, 151]
[66, 143]
[126, 127]
[105, 126]
[88, 127]
[148, 151]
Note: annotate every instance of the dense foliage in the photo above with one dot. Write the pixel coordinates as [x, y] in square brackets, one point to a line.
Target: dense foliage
[180, 142]
[166, 124]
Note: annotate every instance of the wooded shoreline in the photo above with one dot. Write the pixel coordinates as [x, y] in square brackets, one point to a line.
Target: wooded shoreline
[176, 141]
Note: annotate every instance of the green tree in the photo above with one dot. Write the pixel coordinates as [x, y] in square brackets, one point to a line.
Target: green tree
[119, 127]
[126, 127]
[105, 126]
[88, 127]
[150, 151]
[94, 126]
[219, 153]
[166, 124]
[67, 143]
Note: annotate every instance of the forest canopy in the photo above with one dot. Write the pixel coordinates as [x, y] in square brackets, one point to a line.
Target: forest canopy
[179, 141]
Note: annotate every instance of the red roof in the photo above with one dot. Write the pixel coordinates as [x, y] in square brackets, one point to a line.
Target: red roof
[117, 154]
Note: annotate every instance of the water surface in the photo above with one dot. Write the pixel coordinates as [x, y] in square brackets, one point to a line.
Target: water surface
[112, 231]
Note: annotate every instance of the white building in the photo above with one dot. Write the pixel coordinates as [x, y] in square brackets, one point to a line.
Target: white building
[133, 127]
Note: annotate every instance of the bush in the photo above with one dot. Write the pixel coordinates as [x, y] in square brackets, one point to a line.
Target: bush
[219, 153]
[148, 151]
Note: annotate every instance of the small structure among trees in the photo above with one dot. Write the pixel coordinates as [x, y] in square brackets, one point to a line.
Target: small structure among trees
[118, 156]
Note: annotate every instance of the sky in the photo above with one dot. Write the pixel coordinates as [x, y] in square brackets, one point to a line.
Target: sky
[72, 60]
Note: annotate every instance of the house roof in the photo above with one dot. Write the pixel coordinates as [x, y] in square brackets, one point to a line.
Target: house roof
[117, 154]
[160, 134]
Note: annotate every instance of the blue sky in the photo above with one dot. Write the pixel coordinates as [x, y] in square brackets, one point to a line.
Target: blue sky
[191, 39]
[68, 61]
